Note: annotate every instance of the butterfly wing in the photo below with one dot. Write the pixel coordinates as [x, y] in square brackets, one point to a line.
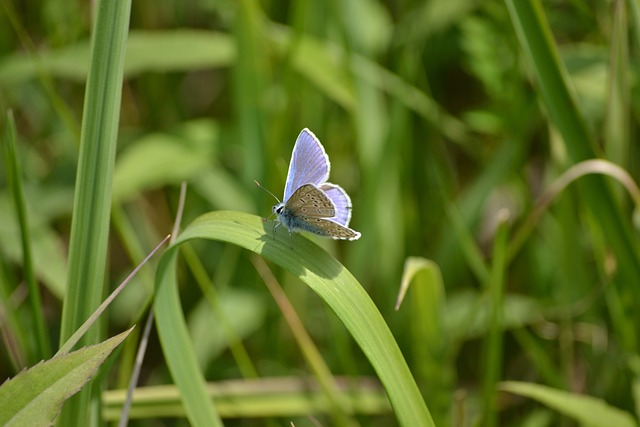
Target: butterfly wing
[311, 209]
[309, 163]
[328, 228]
[310, 201]
[340, 200]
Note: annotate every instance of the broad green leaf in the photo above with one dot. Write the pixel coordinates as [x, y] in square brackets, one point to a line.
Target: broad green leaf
[34, 396]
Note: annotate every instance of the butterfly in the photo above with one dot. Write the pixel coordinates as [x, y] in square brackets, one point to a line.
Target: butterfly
[310, 203]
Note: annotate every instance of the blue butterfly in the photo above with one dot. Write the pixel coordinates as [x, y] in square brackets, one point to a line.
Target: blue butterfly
[310, 203]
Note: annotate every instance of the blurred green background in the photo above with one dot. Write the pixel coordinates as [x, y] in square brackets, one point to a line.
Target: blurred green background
[436, 117]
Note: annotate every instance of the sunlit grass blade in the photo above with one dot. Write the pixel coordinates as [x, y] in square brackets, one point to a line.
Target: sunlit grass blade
[14, 178]
[322, 273]
[92, 203]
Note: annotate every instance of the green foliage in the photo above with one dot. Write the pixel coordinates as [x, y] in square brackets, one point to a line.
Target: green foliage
[586, 410]
[330, 280]
[438, 118]
[34, 397]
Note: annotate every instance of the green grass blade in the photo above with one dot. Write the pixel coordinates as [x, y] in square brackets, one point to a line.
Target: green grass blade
[617, 120]
[537, 42]
[14, 178]
[178, 351]
[493, 354]
[550, 75]
[92, 203]
[586, 410]
[431, 340]
[250, 68]
[322, 273]
[283, 397]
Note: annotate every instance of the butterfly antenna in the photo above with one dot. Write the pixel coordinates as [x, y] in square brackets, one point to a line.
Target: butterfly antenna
[272, 195]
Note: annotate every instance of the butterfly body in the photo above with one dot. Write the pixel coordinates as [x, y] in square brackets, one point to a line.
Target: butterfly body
[310, 203]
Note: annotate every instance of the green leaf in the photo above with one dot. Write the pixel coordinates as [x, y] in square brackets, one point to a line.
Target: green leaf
[315, 267]
[156, 160]
[246, 310]
[179, 50]
[34, 396]
[15, 178]
[93, 185]
[431, 340]
[587, 410]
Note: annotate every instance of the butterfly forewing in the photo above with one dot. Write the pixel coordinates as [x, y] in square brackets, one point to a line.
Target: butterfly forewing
[309, 164]
[309, 201]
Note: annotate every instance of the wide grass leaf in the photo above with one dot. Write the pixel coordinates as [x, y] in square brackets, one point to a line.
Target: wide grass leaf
[587, 410]
[34, 397]
[313, 266]
[161, 51]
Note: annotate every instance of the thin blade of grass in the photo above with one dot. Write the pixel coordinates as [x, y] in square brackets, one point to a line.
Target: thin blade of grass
[617, 119]
[92, 202]
[144, 339]
[14, 178]
[493, 352]
[79, 333]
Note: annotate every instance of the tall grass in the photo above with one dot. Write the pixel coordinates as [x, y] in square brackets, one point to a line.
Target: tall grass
[438, 118]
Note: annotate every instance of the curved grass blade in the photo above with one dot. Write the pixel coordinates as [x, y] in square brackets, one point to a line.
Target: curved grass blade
[322, 273]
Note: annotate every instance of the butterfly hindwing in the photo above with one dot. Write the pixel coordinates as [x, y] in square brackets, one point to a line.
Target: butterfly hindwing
[309, 163]
[340, 200]
[328, 228]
